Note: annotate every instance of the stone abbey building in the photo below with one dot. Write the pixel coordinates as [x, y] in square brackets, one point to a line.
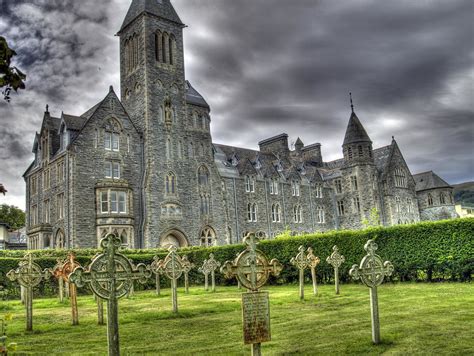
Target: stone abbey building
[144, 166]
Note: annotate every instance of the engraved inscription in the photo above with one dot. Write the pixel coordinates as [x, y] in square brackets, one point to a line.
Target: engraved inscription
[256, 317]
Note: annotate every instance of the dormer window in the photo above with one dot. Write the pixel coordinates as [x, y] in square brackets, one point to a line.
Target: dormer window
[234, 160]
[249, 184]
[295, 188]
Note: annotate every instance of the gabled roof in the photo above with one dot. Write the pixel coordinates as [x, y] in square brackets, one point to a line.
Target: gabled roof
[73, 122]
[193, 97]
[355, 132]
[160, 8]
[429, 180]
[382, 157]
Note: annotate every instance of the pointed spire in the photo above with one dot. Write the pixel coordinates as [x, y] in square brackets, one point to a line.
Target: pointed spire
[355, 132]
[352, 104]
[159, 8]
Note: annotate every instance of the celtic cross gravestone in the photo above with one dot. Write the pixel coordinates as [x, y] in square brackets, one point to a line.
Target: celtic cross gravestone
[252, 269]
[59, 263]
[110, 276]
[187, 267]
[156, 268]
[301, 262]
[173, 269]
[372, 272]
[313, 263]
[61, 272]
[28, 274]
[209, 266]
[336, 260]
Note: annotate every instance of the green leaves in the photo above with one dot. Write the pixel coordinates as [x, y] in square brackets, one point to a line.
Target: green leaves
[10, 77]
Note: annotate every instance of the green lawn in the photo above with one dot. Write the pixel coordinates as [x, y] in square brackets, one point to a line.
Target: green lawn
[415, 319]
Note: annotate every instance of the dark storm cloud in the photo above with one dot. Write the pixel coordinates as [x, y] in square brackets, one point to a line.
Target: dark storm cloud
[266, 67]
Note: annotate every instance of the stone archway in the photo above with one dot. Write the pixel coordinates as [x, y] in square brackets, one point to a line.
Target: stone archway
[59, 241]
[173, 238]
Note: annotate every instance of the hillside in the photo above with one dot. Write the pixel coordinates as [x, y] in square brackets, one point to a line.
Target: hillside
[464, 193]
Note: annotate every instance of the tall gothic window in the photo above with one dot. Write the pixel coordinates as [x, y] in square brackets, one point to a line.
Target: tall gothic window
[252, 212]
[249, 184]
[297, 214]
[442, 199]
[132, 53]
[112, 135]
[354, 184]
[203, 177]
[276, 214]
[319, 190]
[338, 185]
[208, 237]
[170, 183]
[320, 215]
[340, 208]
[398, 207]
[295, 188]
[430, 200]
[400, 178]
[361, 151]
[357, 204]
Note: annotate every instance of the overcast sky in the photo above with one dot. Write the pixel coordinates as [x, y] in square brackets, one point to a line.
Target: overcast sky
[265, 67]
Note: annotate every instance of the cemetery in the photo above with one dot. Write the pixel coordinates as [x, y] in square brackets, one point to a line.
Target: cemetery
[293, 294]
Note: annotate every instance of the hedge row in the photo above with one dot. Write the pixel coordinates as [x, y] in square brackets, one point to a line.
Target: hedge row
[431, 251]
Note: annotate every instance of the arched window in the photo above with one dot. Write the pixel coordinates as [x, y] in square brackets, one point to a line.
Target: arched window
[170, 183]
[295, 188]
[205, 204]
[361, 151]
[124, 237]
[276, 213]
[171, 51]
[158, 46]
[430, 199]
[203, 176]
[442, 198]
[165, 48]
[208, 236]
[249, 184]
[398, 208]
[349, 152]
[252, 212]
[59, 239]
[297, 214]
[112, 135]
[168, 149]
[180, 150]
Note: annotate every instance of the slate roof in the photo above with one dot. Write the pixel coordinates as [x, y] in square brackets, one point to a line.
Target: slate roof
[193, 97]
[74, 122]
[355, 132]
[160, 8]
[429, 180]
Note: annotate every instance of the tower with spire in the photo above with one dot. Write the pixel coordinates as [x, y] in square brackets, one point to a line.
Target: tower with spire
[174, 119]
[359, 174]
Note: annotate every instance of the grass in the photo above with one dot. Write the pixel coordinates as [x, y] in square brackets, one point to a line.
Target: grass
[423, 319]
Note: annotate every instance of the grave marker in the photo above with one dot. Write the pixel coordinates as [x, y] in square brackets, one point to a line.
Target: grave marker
[59, 263]
[301, 262]
[313, 263]
[28, 274]
[110, 276]
[372, 272]
[173, 269]
[336, 260]
[209, 266]
[187, 267]
[156, 268]
[252, 269]
[61, 272]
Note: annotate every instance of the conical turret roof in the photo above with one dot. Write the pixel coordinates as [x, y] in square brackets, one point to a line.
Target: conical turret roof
[160, 8]
[355, 131]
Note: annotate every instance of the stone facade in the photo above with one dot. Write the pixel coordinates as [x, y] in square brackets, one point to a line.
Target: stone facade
[145, 166]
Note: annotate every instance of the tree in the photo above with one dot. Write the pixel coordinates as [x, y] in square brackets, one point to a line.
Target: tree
[13, 216]
[10, 77]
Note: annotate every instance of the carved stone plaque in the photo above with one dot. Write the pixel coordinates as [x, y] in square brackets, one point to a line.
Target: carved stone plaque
[256, 317]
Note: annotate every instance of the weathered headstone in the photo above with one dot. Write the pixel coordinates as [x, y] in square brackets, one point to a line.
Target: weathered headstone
[300, 262]
[187, 267]
[313, 263]
[252, 269]
[156, 268]
[209, 266]
[28, 274]
[110, 276]
[173, 269]
[58, 265]
[336, 260]
[61, 272]
[372, 272]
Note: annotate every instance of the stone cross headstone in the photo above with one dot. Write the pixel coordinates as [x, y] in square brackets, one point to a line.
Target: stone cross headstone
[187, 267]
[156, 268]
[58, 265]
[62, 272]
[252, 269]
[209, 266]
[28, 274]
[336, 260]
[301, 262]
[173, 269]
[110, 276]
[372, 272]
[313, 263]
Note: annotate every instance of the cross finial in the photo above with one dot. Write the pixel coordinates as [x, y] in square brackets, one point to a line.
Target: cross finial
[352, 104]
[47, 108]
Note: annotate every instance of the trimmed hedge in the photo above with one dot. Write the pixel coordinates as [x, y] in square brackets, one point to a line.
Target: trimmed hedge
[429, 251]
